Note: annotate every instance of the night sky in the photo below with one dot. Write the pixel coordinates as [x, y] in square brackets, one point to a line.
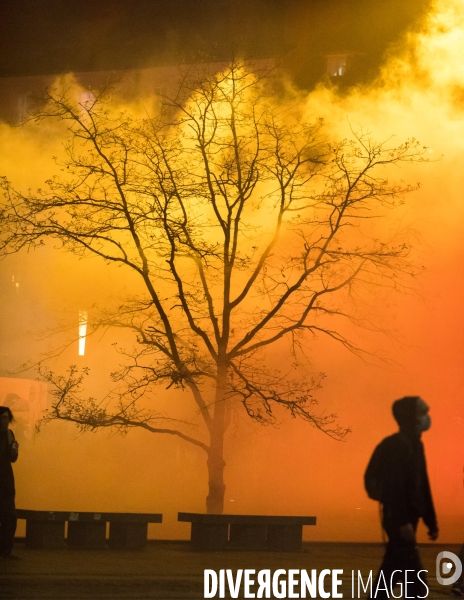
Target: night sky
[52, 36]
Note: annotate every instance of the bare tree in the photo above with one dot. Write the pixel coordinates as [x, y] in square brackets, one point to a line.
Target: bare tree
[246, 228]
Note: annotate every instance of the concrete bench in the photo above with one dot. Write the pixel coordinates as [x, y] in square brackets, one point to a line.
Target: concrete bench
[251, 532]
[46, 529]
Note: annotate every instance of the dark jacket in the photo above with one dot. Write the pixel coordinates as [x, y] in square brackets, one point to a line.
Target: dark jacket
[7, 486]
[397, 474]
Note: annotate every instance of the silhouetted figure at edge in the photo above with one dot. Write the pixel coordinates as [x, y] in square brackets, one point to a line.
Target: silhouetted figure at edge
[8, 455]
[397, 477]
[458, 587]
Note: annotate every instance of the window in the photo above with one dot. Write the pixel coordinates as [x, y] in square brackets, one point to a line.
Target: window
[337, 64]
[23, 107]
[82, 331]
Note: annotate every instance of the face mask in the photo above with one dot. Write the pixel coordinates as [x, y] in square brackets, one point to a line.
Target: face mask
[424, 423]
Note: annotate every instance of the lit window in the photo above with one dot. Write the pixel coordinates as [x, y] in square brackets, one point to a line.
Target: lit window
[23, 106]
[337, 64]
[82, 331]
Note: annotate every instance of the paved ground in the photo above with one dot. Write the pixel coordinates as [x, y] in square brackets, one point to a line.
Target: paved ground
[171, 570]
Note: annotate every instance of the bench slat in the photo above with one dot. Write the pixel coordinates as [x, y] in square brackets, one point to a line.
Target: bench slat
[245, 519]
[43, 515]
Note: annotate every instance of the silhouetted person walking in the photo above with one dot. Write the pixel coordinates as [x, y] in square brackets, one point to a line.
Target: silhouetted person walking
[397, 477]
[8, 455]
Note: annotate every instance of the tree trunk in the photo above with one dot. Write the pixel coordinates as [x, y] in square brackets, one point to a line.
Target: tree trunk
[216, 486]
[216, 464]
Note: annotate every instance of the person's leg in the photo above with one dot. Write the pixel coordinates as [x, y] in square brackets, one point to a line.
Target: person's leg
[390, 570]
[7, 524]
[414, 574]
[400, 556]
